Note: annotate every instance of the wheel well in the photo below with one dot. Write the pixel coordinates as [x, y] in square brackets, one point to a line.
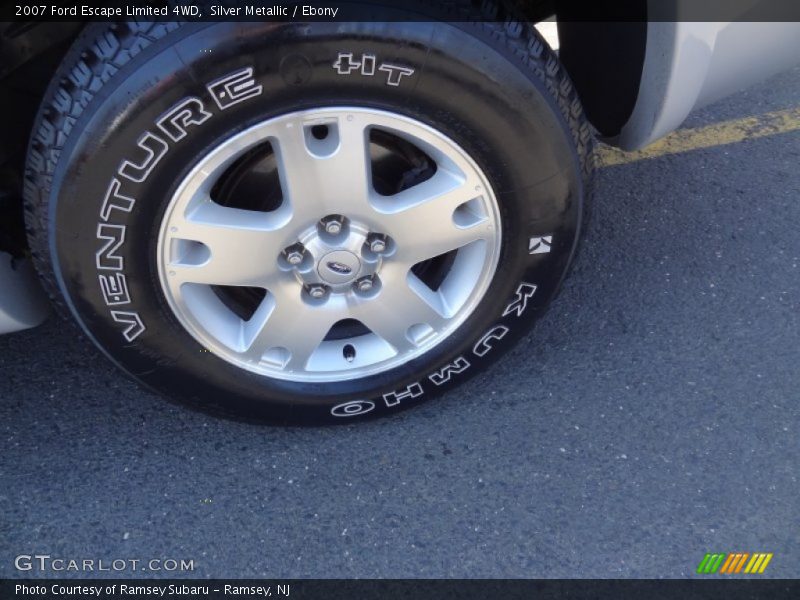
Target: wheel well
[603, 58]
[604, 61]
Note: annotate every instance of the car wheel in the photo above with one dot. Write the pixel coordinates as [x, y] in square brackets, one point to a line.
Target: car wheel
[307, 223]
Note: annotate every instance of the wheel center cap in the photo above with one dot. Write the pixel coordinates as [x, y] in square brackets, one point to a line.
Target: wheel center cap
[339, 266]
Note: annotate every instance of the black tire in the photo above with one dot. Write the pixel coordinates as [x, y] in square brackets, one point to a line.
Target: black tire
[497, 89]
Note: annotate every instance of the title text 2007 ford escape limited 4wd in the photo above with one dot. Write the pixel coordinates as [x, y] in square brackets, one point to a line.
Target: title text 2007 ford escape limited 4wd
[314, 221]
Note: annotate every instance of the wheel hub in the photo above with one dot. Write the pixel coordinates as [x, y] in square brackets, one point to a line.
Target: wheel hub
[336, 261]
[339, 266]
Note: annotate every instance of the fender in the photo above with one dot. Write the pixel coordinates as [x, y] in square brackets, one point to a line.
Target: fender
[23, 303]
[688, 65]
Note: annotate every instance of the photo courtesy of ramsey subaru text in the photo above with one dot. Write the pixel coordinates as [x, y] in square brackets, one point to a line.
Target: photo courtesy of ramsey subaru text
[316, 222]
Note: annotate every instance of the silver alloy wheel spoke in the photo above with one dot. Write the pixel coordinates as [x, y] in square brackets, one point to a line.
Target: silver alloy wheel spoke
[412, 303]
[281, 322]
[316, 174]
[424, 218]
[324, 165]
[230, 237]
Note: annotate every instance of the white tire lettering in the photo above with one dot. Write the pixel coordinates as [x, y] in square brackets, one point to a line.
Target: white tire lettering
[115, 289]
[446, 373]
[106, 257]
[346, 64]
[414, 390]
[234, 88]
[155, 148]
[353, 408]
[134, 328]
[174, 124]
[187, 112]
[368, 64]
[524, 293]
[115, 200]
[396, 73]
[483, 346]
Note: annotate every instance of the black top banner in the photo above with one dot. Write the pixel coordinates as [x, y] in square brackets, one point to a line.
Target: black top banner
[22, 11]
[391, 589]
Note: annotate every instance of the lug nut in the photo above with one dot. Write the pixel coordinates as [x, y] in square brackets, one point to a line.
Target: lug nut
[294, 253]
[333, 225]
[377, 244]
[316, 291]
[364, 285]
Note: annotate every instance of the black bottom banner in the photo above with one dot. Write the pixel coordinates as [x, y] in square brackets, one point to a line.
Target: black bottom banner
[390, 589]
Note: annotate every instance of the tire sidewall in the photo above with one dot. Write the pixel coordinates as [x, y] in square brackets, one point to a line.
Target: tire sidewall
[105, 223]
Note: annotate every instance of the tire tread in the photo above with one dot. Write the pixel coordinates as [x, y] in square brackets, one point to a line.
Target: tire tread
[97, 55]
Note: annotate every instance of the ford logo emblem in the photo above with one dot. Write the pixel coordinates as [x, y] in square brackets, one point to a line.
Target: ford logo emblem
[338, 267]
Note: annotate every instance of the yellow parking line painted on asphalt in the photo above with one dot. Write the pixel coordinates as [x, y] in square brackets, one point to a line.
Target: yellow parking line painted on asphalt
[727, 132]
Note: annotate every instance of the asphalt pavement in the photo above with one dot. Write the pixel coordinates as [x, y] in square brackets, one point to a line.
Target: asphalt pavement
[651, 417]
